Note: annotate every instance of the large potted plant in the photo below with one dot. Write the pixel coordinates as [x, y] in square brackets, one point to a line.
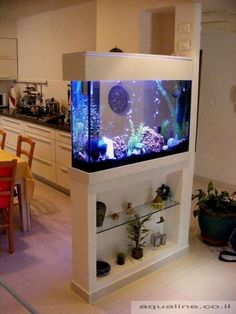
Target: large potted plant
[137, 233]
[216, 212]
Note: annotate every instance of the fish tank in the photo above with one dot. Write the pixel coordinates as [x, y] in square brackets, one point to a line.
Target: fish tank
[120, 122]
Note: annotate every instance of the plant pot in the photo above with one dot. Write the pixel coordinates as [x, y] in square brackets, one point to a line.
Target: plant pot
[101, 211]
[120, 260]
[137, 253]
[216, 228]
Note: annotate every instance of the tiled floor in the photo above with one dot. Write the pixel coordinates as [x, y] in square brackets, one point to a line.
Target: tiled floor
[40, 269]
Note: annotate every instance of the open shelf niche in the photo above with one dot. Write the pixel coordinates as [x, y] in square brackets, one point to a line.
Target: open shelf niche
[115, 187]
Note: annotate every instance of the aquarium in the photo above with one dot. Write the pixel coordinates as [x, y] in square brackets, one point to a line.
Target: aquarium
[116, 123]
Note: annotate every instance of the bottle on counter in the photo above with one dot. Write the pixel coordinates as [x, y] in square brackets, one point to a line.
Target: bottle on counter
[12, 97]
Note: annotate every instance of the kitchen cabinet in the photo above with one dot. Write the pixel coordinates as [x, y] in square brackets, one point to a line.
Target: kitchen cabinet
[63, 158]
[8, 58]
[14, 128]
[44, 155]
[52, 155]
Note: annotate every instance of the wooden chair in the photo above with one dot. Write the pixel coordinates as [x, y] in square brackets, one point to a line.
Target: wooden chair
[7, 182]
[2, 138]
[25, 148]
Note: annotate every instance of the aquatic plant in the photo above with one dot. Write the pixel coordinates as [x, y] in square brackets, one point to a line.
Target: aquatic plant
[79, 122]
[164, 128]
[135, 140]
[94, 109]
[183, 99]
[172, 107]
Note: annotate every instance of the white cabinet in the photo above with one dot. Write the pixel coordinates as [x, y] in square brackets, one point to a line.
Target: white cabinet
[8, 58]
[52, 155]
[135, 183]
[44, 155]
[13, 128]
[63, 158]
[8, 48]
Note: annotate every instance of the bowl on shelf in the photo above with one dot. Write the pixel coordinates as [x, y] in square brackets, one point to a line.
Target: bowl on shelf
[103, 268]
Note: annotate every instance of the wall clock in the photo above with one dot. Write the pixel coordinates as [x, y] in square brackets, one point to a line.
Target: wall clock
[118, 99]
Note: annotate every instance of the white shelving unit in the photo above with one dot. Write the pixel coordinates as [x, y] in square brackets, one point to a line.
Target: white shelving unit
[134, 183]
[89, 244]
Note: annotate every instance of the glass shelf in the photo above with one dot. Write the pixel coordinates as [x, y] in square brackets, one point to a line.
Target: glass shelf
[142, 210]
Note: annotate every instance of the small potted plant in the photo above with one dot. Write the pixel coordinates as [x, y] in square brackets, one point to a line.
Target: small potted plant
[120, 258]
[216, 212]
[137, 233]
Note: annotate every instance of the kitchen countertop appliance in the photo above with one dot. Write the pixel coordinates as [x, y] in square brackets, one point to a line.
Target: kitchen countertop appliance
[31, 97]
[31, 105]
[52, 106]
[3, 100]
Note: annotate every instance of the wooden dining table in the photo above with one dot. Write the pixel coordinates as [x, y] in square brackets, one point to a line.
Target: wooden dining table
[25, 178]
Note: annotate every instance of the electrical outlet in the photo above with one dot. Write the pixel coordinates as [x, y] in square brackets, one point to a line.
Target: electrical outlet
[183, 45]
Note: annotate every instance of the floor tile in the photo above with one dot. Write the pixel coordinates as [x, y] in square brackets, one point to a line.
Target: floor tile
[40, 270]
[213, 280]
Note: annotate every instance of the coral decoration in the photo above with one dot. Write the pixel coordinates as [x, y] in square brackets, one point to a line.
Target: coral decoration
[120, 149]
[151, 140]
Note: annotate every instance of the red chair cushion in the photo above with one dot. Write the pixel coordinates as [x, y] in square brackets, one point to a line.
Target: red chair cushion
[5, 186]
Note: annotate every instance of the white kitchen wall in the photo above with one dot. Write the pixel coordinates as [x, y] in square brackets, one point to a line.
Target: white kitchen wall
[216, 145]
[163, 24]
[43, 38]
[8, 27]
[123, 27]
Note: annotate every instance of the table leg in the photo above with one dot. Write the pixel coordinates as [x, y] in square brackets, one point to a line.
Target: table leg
[26, 219]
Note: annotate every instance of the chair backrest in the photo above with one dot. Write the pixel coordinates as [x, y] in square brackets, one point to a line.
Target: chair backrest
[2, 138]
[7, 182]
[25, 146]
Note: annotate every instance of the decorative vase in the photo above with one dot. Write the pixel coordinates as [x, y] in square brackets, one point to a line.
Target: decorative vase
[163, 239]
[103, 268]
[137, 253]
[120, 258]
[156, 239]
[101, 211]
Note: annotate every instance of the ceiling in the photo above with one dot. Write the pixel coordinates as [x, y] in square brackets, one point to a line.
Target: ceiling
[21, 8]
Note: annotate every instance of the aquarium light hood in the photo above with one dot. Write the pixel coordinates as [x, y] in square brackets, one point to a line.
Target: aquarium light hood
[97, 66]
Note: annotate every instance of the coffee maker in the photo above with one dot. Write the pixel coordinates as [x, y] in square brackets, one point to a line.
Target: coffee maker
[3, 100]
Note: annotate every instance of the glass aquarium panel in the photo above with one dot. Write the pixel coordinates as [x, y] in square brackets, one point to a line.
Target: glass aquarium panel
[116, 123]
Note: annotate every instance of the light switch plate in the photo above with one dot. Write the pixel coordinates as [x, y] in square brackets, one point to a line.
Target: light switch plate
[184, 28]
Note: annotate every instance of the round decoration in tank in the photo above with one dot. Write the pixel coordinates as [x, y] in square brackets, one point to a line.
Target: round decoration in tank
[118, 99]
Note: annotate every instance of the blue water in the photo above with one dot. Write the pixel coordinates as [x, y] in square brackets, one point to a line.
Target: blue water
[115, 123]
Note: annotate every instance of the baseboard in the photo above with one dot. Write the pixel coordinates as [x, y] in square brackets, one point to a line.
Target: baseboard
[113, 286]
[52, 184]
[225, 185]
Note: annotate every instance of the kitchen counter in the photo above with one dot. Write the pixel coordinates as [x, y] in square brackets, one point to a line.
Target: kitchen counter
[12, 113]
